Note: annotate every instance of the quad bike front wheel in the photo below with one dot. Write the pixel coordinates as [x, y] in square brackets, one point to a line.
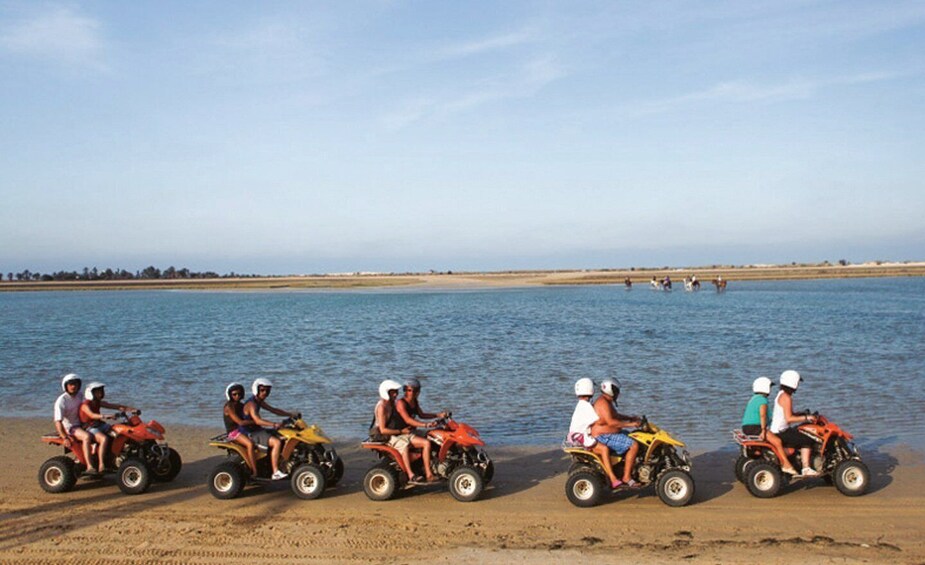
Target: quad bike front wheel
[466, 483]
[226, 481]
[852, 477]
[763, 480]
[168, 468]
[133, 476]
[380, 482]
[57, 474]
[308, 481]
[675, 488]
[584, 488]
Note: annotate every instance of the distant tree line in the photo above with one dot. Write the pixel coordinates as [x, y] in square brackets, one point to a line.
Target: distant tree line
[94, 274]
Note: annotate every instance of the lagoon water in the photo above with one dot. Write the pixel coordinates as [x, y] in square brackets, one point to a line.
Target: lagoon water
[502, 360]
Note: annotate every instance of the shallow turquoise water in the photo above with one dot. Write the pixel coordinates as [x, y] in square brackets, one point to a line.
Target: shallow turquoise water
[503, 360]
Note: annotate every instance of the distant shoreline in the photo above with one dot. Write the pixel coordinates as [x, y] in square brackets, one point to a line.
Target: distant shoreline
[504, 279]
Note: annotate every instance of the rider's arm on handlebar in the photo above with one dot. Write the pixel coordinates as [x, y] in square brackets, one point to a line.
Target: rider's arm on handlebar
[249, 411]
[119, 407]
[786, 403]
[402, 408]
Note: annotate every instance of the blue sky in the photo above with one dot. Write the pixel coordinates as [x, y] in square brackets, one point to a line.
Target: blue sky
[316, 137]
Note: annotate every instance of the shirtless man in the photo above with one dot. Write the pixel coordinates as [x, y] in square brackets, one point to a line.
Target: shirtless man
[608, 429]
[410, 409]
[583, 418]
[261, 432]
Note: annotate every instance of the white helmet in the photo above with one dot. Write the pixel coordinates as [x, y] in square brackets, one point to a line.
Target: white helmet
[762, 385]
[584, 387]
[790, 378]
[387, 385]
[88, 392]
[68, 378]
[259, 383]
[232, 386]
[610, 387]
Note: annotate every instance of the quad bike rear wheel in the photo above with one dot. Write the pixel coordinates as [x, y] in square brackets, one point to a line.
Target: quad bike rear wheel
[466, 483]
[584, 488]
[58, 474]
[337, 472]
[169, 468]
[741, 467]
[133, 476]
[308, 481]
[381, 482]
[226, 481]
[852, 477]
[763, 480]
[675, 488]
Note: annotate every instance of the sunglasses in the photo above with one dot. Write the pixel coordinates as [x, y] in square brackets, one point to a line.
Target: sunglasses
[410, 389]
[237, 393]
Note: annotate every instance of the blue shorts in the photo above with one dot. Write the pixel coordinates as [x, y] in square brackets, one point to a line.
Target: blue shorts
[618, 443]
[99, 428]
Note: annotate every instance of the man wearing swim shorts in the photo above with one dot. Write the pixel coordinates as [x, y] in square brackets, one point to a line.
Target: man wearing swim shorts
[608, 429]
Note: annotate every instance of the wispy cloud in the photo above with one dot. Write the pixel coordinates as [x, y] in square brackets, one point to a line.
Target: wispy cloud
[483, 45]
[57, 34]
[530, 79]
[745, 92]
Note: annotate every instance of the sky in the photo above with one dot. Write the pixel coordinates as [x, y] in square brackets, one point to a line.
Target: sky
[310, 137]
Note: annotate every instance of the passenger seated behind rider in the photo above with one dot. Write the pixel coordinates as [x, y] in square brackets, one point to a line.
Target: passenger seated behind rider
[236, 424]
[756, 419]
[410, 409]
[388, 425]
[579, 431]
[67, 417]
[609, 429]
[784, 422]
[92, 418]
[258, 432]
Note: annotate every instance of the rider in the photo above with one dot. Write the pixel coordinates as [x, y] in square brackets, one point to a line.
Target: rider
[258, 433]
[784, 422]
[67, 417]
[755, 420]
[579, 431]
[236, 424]
[408, 408]
[388, 425]
[609, 430]
[92, 418]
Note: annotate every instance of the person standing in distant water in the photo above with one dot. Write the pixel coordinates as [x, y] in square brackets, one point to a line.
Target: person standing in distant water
[627, 283]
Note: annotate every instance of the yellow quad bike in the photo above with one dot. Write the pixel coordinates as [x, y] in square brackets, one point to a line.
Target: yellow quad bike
[307, 455]
[659, 461]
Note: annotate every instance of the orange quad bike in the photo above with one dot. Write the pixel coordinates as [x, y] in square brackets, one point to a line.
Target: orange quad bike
[136, 452]
[456, 459]
[834, 456]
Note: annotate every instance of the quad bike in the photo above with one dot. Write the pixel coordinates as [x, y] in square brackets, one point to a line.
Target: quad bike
[134, 452]
[658, 462]
[834, 456]
[456, 458]
[307, 455]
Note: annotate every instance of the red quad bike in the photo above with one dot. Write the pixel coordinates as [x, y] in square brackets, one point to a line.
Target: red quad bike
[456, 458]
[134, 452]
[834, 456]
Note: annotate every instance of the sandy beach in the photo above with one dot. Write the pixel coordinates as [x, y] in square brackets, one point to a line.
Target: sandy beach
[523, 517]
[493, 279]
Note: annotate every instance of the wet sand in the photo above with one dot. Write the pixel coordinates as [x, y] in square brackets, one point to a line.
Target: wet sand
[523, 517]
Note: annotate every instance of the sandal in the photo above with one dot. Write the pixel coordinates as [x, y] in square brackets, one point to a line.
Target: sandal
[416, 480]
[632, 484]
[791, 471]
[616, 485]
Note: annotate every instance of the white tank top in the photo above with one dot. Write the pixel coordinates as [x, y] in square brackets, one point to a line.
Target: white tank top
[778, 422]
